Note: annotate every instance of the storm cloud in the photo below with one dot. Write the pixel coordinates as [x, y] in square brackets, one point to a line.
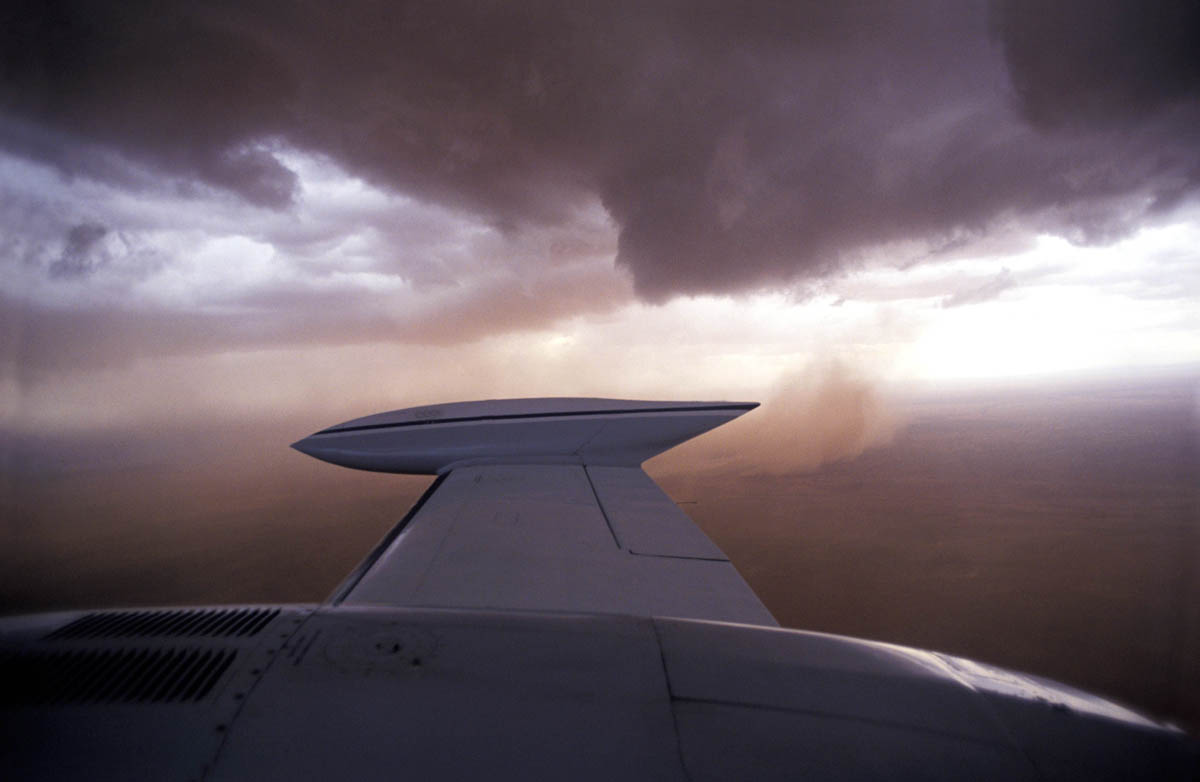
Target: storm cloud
[734, 146]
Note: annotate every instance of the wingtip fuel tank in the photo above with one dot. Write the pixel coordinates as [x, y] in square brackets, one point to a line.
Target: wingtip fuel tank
[432, 440]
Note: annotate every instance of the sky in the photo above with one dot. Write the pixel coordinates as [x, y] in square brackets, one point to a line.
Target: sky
[231, 210]
[226, 225]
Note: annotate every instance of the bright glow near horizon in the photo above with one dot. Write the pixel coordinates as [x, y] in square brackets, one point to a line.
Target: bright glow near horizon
[1070, 309]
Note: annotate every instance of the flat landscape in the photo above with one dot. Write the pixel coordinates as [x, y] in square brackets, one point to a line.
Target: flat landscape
[1049, 531]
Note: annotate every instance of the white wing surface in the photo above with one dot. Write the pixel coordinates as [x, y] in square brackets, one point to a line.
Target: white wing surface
[541, 505]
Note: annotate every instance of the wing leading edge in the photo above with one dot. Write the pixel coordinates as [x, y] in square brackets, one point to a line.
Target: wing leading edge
[541, 505]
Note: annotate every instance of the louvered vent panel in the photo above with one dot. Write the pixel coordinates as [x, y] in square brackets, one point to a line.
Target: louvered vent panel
[111, 675]
[203, 623]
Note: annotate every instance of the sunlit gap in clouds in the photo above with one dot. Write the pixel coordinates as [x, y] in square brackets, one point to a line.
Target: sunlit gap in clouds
[175, 245]
[1060, 308]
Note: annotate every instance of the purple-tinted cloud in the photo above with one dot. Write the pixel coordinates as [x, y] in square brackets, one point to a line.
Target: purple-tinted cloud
[78, 257]
[734, 145]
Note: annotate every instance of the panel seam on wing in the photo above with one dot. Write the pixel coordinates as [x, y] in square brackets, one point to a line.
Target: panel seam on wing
[678, 556]
[600, 504]
[997, 742]
[662, 658]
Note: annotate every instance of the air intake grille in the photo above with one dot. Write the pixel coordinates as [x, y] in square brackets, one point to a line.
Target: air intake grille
[206, 623]
[111, 675]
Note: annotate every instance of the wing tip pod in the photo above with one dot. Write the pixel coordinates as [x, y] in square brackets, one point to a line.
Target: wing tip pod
[434, 439]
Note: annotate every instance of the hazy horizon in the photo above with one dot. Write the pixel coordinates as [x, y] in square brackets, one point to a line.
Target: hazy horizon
[1050, 529]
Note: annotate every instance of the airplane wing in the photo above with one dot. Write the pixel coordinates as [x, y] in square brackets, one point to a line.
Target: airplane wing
[544, 612]
[541, 505]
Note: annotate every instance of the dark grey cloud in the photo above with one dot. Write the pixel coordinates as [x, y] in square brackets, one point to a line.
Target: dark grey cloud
[735, 145]
[1078, 63]
[79, 256]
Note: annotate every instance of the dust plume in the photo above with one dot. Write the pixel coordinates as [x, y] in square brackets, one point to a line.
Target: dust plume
[826, 413]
